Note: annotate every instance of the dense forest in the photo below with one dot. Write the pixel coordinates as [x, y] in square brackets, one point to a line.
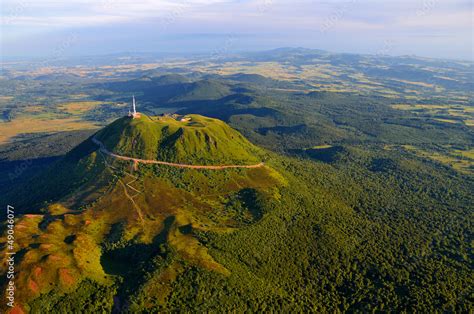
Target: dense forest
[368, 231]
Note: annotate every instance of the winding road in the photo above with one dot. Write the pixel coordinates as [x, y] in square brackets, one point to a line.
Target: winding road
[137, 161]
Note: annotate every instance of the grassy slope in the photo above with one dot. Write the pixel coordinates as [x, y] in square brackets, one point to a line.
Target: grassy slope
[62, 247]
[81, 173]
[317, 240]
[199, 141]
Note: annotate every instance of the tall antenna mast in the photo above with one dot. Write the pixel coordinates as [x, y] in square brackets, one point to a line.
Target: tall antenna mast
[134, 106]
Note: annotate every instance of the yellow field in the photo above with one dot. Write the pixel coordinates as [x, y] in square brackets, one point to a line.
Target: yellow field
[415, 83]
[269, 69]
[465, 153]
[41, 119]
[84, 71]
[361, 78]
[463, 114]
[447, 121]
[321, 147]
[24, 125]
[78, 96]
[33, 109]
[460, 160]
[449, 107]
[79, 107]
[418, 106]
[318, 72]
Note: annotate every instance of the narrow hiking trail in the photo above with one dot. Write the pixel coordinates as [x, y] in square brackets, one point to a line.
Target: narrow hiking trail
[137, 161]
[125, 185]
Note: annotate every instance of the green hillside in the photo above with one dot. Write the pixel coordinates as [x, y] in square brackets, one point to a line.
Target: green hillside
[97, 215]
[196, 141]
[81, 175]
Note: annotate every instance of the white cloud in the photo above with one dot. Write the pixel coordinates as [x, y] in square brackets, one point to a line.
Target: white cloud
[450, 20]
[359, 21]
[361, 14]
[89, 12]
[63, 21]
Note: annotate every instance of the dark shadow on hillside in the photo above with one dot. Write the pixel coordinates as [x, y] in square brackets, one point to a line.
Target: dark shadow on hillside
[16, 171]
[282, 130]
[134, 261]
[328, 155]
[251, 200]
[119, 261]
[225, 111]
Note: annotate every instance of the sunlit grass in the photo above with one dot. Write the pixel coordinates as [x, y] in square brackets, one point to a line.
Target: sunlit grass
[78, 108]
[460, 160]
[27, 125]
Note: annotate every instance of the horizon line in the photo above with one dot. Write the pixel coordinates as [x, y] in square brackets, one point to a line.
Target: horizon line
[210, 54]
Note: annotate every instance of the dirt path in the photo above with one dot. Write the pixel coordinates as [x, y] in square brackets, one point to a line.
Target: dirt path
[148, 161]
[125, 185]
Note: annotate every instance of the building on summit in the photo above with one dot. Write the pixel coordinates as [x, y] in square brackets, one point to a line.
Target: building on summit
[133, 112]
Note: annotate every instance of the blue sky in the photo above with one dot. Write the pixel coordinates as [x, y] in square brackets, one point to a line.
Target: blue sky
[433, 28]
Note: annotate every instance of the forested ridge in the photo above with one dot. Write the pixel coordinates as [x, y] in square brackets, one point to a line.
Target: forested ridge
[351, 235]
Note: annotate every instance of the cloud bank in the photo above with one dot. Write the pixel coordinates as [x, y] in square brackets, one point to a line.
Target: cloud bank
[425, 27]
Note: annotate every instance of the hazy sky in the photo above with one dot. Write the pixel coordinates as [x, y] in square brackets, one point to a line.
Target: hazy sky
[435, 28]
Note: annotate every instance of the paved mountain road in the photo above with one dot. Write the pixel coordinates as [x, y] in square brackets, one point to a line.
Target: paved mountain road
[136, 161]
